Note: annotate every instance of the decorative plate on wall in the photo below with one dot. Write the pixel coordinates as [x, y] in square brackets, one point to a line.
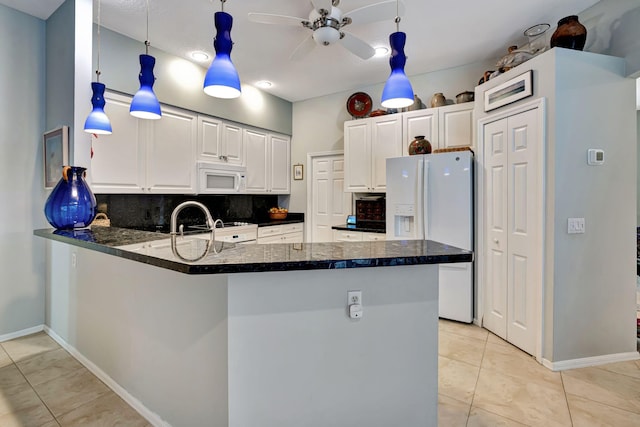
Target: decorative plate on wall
[359, 105]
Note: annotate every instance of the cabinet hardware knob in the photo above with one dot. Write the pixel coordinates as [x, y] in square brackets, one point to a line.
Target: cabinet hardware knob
[496, 241]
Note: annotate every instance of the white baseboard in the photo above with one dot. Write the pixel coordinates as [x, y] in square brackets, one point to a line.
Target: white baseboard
[590, 361]
[21, 333]
[148, 414]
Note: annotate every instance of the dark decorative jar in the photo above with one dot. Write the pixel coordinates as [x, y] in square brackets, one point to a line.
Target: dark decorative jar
[419, 146]
[570, 34]
[71, 204]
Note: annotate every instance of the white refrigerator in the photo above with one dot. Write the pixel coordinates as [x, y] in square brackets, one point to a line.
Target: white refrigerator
[431, 197]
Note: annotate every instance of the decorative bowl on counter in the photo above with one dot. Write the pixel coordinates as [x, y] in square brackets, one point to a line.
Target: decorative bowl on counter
[278, 213]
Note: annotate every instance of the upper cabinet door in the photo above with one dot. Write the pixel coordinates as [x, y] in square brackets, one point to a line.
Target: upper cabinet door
[420, 123]
[171, 150]
[118, 160]
[357, 155]
[233, 144]
[456, 125]
[256, 161]
[280, 164]
[209, 139]
[386, 142]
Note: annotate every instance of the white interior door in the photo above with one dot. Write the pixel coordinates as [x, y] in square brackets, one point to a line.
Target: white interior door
[330, 204]
[513, 209]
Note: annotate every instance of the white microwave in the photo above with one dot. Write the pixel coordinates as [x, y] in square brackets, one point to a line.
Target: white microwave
[215, 178]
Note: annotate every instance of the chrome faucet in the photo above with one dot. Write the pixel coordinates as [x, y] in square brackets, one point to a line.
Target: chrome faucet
[174, 216]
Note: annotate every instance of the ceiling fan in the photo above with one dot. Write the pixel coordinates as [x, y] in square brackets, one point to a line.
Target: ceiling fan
[326, 22]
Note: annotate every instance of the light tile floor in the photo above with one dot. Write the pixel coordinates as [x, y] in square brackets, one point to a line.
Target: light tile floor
[483, 382]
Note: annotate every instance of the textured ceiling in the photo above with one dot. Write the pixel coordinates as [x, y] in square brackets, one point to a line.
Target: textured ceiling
[440, 35]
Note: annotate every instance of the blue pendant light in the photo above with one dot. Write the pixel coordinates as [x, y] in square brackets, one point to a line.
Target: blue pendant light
[222, 80]
[397, 92]
[97, 121]
[145, 104]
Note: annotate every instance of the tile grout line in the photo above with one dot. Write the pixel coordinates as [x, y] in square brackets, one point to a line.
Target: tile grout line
[34, 390]
[566, 400]
[475, 386]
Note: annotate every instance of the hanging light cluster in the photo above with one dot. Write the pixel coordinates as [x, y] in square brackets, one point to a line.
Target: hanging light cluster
[397, 92]
[97, 121]
[222, 80]
[145, 104]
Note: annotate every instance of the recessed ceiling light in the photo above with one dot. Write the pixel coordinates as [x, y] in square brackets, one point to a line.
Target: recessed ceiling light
[199, 55]
[264, 84]
[381, 51]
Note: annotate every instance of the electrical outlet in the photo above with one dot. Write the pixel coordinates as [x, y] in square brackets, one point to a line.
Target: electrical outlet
[575, 226]
[354, 297]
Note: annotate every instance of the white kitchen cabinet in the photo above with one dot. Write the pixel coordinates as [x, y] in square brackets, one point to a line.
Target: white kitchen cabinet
[170, 149]
[119, 159]
[368, 143]
[284, 233]
[444, 127]
[347, 236]
[373, 237]
[219, 141]
[145, 156]
[268, 161]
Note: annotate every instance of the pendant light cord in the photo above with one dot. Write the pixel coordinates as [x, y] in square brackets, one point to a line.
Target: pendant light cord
[146, 42]
[98, 65]
[222, 8]
[397, 20]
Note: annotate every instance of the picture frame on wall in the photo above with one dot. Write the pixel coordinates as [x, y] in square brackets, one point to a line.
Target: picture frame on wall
[55, 154]
[513, 90]
[298, 173]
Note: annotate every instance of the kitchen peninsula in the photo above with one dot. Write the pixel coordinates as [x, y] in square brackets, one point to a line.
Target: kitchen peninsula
[252, 334]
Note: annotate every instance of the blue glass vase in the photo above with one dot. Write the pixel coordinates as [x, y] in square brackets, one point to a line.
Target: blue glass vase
[71, 204]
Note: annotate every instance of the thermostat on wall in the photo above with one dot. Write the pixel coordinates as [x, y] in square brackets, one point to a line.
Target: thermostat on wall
[595, 156]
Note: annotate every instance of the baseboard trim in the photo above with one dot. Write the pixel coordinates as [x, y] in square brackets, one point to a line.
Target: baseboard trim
[138, 406]
[22, 333]
[590, 361]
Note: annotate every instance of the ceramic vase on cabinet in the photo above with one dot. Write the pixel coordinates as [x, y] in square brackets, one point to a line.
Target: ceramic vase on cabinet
[570, 34]
[419, 146]
[438, 100]
[71, 204]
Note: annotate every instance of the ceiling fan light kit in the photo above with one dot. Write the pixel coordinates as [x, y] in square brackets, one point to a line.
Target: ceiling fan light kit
[97, 121]
[397, 91]
[145, 104]
[222, 79]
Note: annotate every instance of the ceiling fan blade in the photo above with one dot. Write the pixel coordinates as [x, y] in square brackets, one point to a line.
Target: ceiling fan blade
[322, 4]
[376, 12]
[268, 18]
[357, 46]
[303, 48]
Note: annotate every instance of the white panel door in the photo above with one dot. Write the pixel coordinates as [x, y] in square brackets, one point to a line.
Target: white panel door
[524, 260]
[513, 210]
[419, 123]
[357, 155]
[495, 158]
[171, 153]
[330, 204]
[117, 165]
[386, 142]
[256, 161]
[279, 164]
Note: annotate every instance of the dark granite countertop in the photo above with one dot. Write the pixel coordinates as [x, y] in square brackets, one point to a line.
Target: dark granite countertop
[222, 258]
[361, 228]
[292, 218]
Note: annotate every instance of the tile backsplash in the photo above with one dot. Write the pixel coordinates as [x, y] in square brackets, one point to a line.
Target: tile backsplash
[149, 210]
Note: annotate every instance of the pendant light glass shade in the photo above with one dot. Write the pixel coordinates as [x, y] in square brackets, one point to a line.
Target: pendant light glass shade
[97, 122]
[222, 80]
[397, 92]
[145, 104]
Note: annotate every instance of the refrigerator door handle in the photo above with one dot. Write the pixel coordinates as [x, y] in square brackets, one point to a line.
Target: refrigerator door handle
[425, 200]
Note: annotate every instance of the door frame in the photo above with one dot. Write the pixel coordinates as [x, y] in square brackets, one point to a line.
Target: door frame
[480, 271]
[308, 225]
